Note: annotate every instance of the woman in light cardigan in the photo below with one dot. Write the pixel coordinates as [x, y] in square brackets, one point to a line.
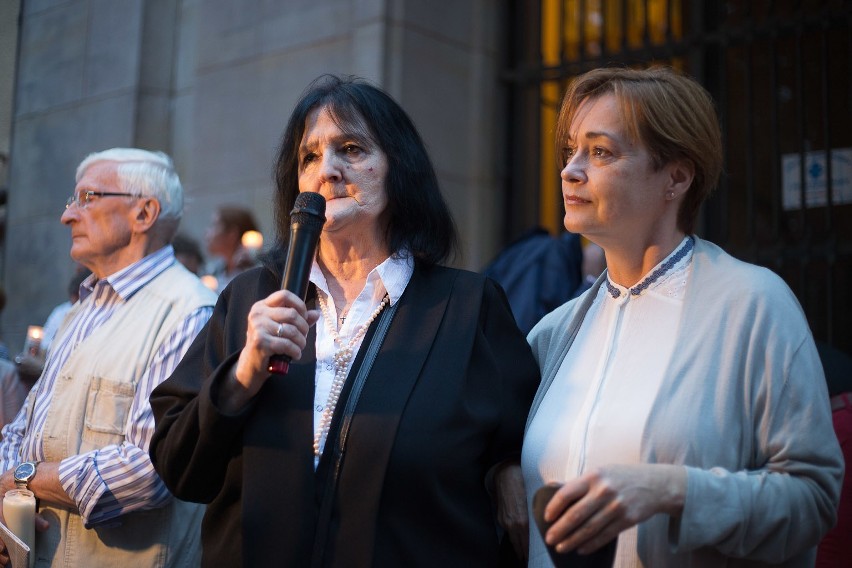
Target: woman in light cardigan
[683, 407]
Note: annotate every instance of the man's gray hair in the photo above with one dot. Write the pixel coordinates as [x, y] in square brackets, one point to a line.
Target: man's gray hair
[143, 173]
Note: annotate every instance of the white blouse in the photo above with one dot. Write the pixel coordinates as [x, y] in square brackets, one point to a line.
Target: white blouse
[595, 410]
[390, 277]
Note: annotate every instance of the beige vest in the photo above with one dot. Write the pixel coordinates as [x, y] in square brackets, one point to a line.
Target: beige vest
[89, 409]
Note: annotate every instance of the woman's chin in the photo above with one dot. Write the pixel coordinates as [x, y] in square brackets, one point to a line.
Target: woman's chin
[573, 225]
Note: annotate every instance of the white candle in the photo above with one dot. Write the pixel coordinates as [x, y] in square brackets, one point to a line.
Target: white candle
[19, 511]
[34, 335]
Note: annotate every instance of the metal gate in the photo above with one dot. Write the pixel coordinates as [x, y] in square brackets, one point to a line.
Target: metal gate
[781, 75]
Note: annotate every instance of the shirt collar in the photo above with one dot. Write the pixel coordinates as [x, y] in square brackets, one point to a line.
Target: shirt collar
[393, 273]
[130, 279]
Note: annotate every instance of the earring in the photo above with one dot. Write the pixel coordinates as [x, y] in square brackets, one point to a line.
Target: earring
[670, 195]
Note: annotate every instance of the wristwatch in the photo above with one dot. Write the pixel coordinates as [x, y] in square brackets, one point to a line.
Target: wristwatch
[24, 474]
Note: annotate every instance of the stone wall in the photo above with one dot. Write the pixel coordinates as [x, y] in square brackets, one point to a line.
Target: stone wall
[211, 82]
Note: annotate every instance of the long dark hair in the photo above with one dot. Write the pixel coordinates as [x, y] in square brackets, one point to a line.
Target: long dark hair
[418, 217]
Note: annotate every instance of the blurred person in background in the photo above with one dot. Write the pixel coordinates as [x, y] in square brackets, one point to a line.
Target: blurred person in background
[539, 273]
[4, 350]
[31, 365]
[13, 391]
[223, 239]
[188, 253]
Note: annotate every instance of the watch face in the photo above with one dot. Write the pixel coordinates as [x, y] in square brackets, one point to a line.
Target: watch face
[25, 471]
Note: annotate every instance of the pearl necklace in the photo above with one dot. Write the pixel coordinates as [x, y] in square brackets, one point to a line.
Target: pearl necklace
[341, 358]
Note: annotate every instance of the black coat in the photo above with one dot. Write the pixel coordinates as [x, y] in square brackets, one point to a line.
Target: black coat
[446, 400]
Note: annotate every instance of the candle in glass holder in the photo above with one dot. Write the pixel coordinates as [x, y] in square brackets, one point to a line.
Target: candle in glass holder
[33, 343]
[19, 507]
[252, 240]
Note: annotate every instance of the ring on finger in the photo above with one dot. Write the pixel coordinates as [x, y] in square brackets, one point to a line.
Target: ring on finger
[279, 330]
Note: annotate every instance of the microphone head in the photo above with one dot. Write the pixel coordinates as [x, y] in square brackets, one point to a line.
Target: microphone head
[309, 209]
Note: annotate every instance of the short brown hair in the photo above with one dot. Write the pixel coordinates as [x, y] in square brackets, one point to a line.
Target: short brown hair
[668, 112]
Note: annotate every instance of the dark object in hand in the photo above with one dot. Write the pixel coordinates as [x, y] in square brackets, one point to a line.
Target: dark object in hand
[601, 558]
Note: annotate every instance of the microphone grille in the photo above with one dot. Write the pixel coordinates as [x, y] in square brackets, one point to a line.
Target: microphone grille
[309, 208]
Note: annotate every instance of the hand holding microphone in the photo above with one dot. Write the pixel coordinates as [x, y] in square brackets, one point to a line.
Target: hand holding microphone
[306, 221]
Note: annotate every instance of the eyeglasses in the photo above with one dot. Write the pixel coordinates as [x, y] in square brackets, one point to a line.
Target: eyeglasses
[83, 198]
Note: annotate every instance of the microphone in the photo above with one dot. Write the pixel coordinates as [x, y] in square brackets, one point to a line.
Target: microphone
[306, 221]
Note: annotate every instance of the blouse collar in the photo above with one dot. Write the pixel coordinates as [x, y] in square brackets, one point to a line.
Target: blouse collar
[662, 269]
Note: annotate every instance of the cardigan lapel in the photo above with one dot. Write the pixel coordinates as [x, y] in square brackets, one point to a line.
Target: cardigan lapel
[563, 343]
[372, 433]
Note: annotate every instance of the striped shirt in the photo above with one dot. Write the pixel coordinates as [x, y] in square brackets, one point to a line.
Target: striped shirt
[116, 479]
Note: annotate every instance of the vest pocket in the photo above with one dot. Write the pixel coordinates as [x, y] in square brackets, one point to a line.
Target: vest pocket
[107, 408]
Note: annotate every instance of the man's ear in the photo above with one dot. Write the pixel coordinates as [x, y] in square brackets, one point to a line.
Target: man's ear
[146, 214]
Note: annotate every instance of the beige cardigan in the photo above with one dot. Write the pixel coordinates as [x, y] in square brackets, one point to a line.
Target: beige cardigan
[89, 410]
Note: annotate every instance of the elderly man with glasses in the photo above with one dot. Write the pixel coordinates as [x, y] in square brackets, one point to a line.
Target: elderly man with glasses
[80, 443]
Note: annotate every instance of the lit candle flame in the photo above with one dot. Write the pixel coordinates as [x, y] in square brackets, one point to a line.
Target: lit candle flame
[33, 342]
[252, 240]
[210, 281]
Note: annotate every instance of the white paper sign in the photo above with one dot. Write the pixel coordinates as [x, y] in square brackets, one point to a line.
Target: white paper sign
[19, 553]
[816, 190]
